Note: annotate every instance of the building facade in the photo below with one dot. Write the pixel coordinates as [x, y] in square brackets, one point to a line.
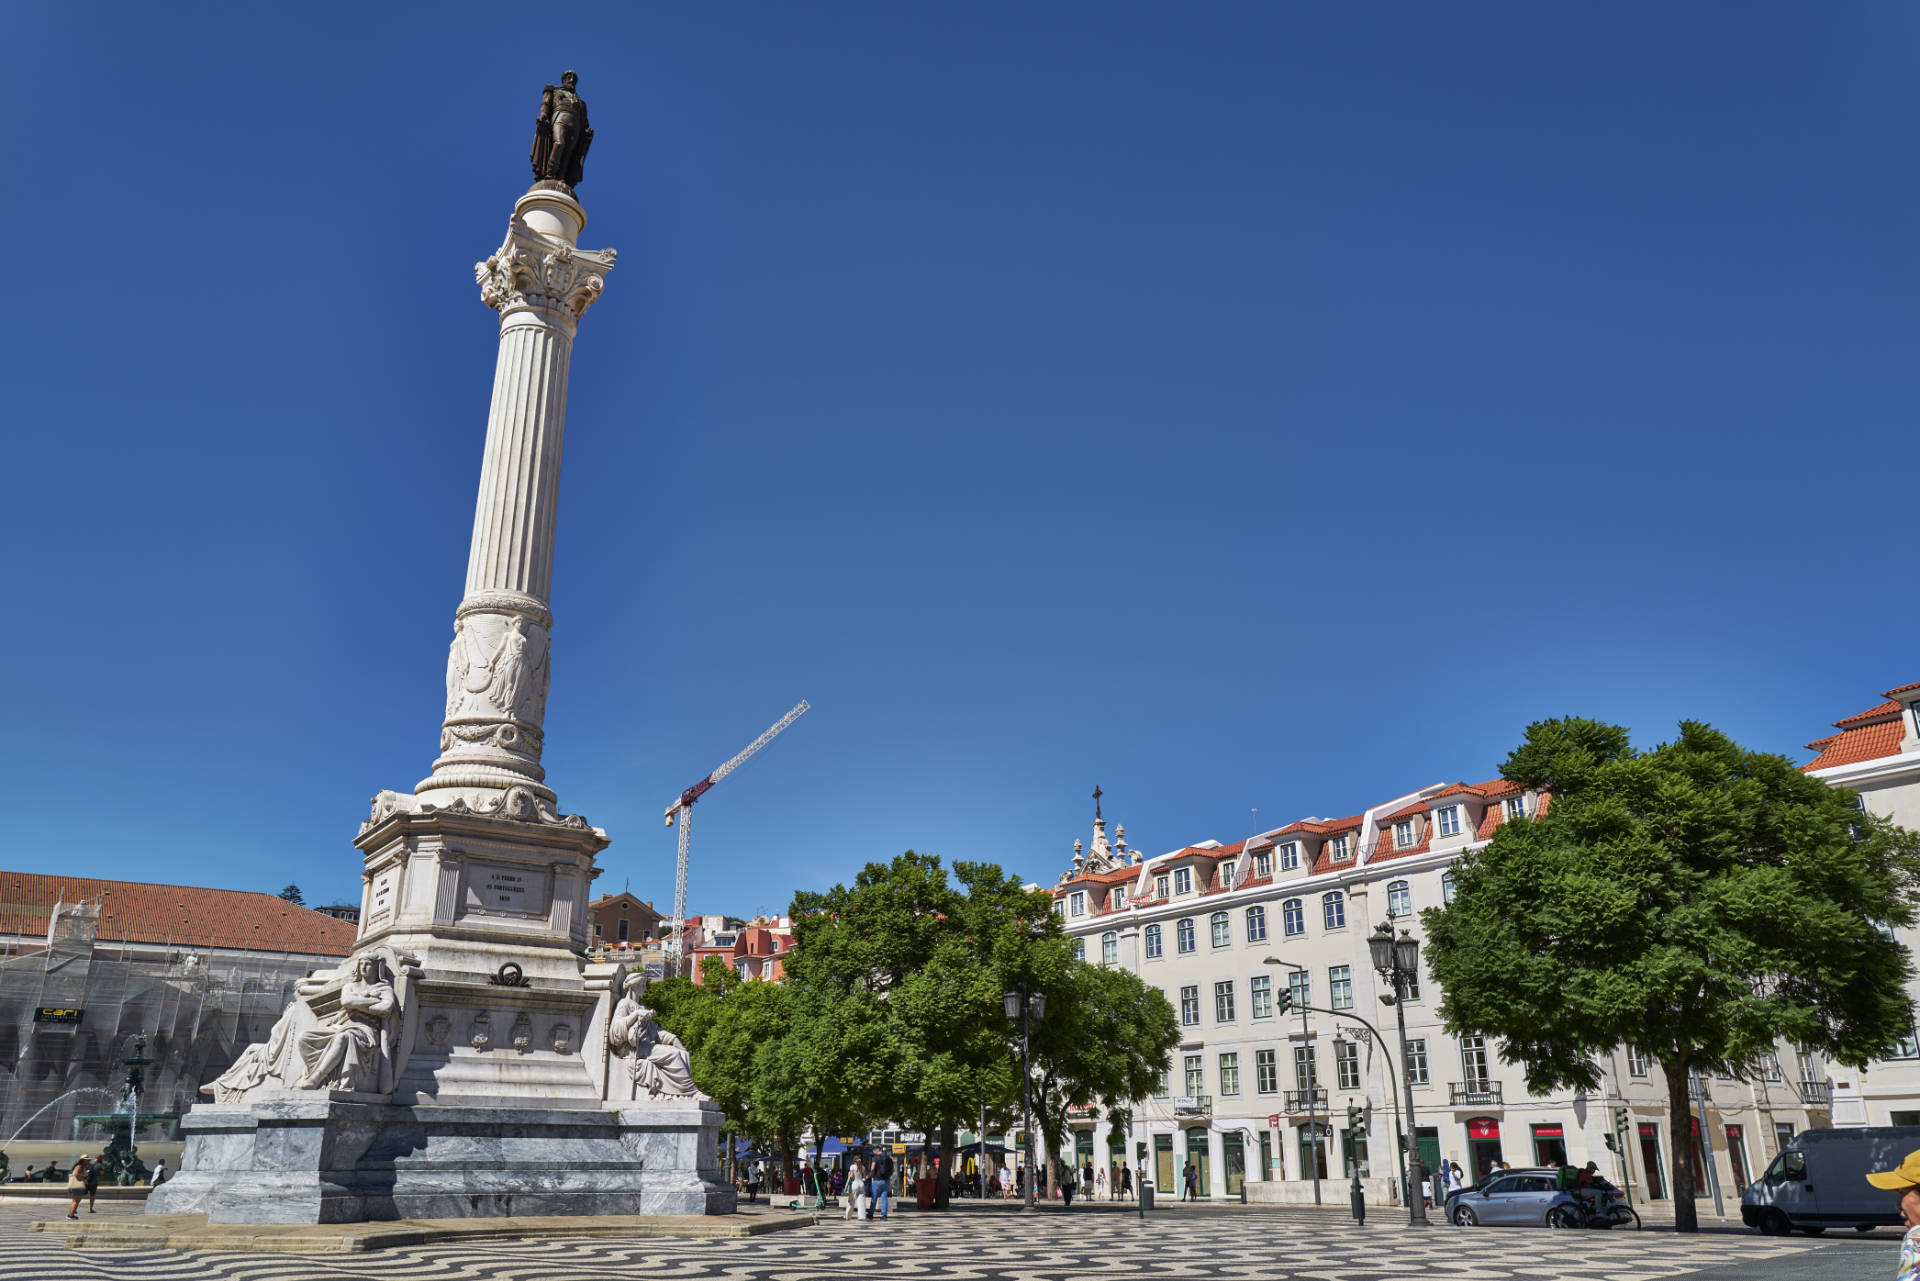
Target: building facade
[1256, 1096]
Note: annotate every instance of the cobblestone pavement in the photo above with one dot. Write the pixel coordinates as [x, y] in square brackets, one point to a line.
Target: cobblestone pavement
[977, 1244]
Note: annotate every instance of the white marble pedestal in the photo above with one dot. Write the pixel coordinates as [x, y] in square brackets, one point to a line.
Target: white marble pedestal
[318, 1158]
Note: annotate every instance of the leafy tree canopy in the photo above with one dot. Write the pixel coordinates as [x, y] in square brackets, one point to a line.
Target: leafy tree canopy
[1695, 901]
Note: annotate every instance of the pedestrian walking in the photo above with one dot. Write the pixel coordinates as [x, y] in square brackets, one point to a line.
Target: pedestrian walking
[1905, 1179]
[159, 1173]
[1126, 1182]
[93, 1183]
[1190, 1178]
[1068, 1177]
[880, 1185]
[857, 1200]
[1086, 1178]
[77, 1184]
[1100, 1184]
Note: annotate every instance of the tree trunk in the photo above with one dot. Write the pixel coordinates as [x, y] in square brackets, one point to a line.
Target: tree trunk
[1680, 1126]
[944, 1191]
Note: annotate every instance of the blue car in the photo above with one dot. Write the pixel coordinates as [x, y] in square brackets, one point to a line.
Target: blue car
[1517, 1197]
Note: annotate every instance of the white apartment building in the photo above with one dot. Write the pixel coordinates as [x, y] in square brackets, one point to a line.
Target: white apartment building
[1258, 1098]
[1877, 753]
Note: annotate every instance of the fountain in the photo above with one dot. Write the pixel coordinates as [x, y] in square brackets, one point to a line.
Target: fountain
[120, 1159]
[51, 1103]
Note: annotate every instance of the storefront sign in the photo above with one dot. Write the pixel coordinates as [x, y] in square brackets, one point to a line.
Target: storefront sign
[56, 1014]
[1273, 1122]
[1483, 1128]
[1548, 1132]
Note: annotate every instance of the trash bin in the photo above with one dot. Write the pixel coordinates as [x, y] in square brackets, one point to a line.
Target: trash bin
[924, 1193]
[1146, 1196]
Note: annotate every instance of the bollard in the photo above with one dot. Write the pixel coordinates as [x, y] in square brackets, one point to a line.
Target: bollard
[1146, 1197]
[1359, 1200]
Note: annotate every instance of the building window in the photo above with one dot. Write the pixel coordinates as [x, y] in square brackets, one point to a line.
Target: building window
[1305, 1077]
[1448, 884]
[1266, 1073]
[1636, 1063]
[1417, 1060]
[1183, 880]
[1403, 834]
[1449, 819]
[620, 931]
[1338, 846]
[1256, 924]
[1340, 986]
[1293, 917]
[1059, 907]
[1077, 903]
[1164, 1086]
[1110, 948]
[1410, 987]
[1119, 897]
[1229, 1075]
[1289, 856]
[1300, 988]
[1907, 1047]
[1220, 929]
[1346, 1064]
[1162, 887]
[597, 932]
[1153, 943]
[1516, 807]
[1473, 1060]
[1196, 1077]
[1183, 932]
[1223, 1001]
[1399, 899]
[1263, 863]
[1226, 876]
[1260, 993]
[1190, 1005]
[1333, 908]
[1079, 949]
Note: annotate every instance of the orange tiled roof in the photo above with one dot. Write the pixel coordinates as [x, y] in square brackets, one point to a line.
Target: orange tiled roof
[186, 915]
[1864, 736]
[1418, 807]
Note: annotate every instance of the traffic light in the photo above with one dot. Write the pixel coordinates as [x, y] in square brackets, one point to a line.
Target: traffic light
[1284, 1000]
[1612, 1142]
[1356, 1120]
[1619, 1120]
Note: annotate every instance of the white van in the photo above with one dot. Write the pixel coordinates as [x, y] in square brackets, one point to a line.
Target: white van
[1819, 1181]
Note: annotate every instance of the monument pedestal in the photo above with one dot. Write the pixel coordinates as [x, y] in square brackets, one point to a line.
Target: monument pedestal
[315, 1157]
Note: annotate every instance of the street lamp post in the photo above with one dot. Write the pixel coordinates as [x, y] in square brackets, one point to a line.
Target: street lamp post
[1313, 1077]
[1022, 1007]
[1398, 962]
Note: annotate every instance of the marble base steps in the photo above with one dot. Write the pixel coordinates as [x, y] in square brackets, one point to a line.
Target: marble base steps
[58, 1192]
[193, 1232]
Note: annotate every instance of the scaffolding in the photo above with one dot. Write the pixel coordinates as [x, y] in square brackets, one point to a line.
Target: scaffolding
[69, 1012]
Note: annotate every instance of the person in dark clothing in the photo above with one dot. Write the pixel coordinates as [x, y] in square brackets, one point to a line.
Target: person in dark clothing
[1067, 1180]
[881, 1184]
[1190, 1177]
[1126, 1182]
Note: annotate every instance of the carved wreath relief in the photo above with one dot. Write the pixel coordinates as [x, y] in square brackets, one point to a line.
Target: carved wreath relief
[497, 666]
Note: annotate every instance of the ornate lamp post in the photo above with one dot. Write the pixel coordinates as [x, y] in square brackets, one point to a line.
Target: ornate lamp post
[1398, 962]
[1023, 1007]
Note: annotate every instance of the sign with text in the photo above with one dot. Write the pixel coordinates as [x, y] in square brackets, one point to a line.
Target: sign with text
[512, 888]
[57, 1014]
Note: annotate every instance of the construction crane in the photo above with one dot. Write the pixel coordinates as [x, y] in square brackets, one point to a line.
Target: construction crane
[683, 807]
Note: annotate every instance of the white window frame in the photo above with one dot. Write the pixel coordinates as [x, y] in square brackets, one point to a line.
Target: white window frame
[1403, 834]
[1118, 898]
[1185, 939]
[1290, 856]
[1260, 996]
[1077, 903]
[1163, 886]
[1516, 807]
[1156, 943]
[1333, 903]
[1449, 820]
[1263, 863]
[1298, 916]
[1223, 1001]
[1256, 924]
[1346, 1065]
[1189, 1005]
[1229, 1069]
[1110, 948]
[1417, 1071]
[1220, 930]
[1182, 881]
[1226, 876]
[1399, 898]
[1338, 849]
[1340, 987]
[1266, 1072]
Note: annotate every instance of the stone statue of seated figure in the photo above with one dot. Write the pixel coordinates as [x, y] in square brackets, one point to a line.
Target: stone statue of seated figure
[654, 1056]
[347, 1051]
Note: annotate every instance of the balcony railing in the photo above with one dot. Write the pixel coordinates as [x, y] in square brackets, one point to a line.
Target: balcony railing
[1480, 1094]
[1298, 1101]
[1193, 1104]
[1817, 1094]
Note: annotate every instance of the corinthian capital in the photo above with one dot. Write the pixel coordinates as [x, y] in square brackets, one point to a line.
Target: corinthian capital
[530, 270]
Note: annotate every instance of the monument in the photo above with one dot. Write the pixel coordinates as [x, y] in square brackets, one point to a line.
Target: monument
[467, 1060]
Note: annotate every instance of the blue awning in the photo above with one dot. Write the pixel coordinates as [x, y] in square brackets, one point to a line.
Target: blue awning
[831, 1146]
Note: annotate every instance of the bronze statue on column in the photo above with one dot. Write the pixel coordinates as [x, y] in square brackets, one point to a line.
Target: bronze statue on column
[561, 136]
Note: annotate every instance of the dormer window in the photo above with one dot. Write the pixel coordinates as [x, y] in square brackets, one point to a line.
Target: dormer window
[1337, 849]
[1119, 898]
[1162, 887]
[1263, 863]
[1183, 880]
[1077, 903]
[1449, 820]
[1403, 834]
[1059, 907]
[1289, 856]
[1516, 807]
[1226, 876]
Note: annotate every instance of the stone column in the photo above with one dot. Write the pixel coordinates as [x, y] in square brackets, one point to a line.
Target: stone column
[1102, 1156]
[497, 665]
[1216, 1166]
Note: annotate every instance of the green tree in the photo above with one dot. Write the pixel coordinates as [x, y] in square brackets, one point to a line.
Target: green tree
[1696, 901]
[292, 895]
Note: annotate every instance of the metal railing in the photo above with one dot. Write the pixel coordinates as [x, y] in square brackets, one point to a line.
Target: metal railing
[1298, 1101]
[1193, 1105]
[1477, 1094]
[1817, 1093]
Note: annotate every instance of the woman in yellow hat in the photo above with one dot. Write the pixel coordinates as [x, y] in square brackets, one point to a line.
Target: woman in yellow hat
[1905, 1179]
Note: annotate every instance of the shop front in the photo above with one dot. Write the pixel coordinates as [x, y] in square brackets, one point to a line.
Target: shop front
[1549, 1144]
[1483, 1147]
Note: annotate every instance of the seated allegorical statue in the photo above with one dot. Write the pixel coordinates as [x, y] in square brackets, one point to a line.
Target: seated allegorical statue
[654, 1056]
[347, 1051]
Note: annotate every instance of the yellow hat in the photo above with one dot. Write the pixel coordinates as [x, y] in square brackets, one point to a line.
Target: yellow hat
[1904, 1175]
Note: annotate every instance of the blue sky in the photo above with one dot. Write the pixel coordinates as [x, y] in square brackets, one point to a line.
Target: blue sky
[1232, 405]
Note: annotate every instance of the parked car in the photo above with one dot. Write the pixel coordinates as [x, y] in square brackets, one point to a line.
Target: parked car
[1819, 1181]
[1529, 1197]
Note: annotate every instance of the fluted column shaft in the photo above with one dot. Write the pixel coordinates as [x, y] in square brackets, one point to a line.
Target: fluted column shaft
[497, 664]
